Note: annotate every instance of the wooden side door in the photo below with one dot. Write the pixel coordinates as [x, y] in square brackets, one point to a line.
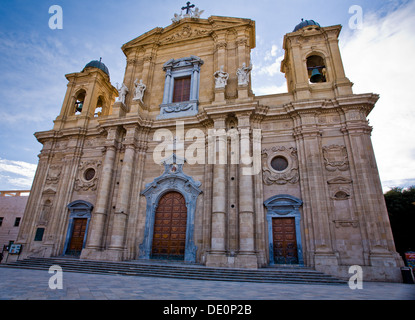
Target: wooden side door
[284, 241]
[78, 235]
[169, 237]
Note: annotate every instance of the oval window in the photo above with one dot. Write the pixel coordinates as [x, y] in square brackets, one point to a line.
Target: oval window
[279, 163]
[89, 174]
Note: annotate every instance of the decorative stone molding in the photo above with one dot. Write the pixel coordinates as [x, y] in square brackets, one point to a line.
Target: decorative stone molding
[54, 174]
[87, 176]
[289, 174]
[340, 188]
[346, 223]
[335, 158]
[185, 33]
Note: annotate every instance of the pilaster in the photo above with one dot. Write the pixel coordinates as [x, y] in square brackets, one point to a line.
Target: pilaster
[217, 254]
[247, 255]
[94, 245]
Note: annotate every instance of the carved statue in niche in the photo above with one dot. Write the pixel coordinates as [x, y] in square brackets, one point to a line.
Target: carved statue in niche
[140, 88]
[221, 78]
[335, 158]
[280, 165]
[243, 74]
[122, 91]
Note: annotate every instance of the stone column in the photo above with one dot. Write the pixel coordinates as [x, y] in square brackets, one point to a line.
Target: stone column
[117, 241]
[195, 82]
[167, 83]
[246, 257]
[98, 221]
[217, 253]
[99, 217]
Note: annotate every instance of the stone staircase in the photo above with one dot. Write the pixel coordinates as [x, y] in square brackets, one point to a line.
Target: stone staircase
[152, 268]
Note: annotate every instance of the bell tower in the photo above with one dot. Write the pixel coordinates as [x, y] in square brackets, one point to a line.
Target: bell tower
[89, 95]
[312, 64]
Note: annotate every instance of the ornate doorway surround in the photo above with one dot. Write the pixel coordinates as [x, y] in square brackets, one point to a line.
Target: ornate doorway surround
[78, 210]
[172, 180]
[284, 206]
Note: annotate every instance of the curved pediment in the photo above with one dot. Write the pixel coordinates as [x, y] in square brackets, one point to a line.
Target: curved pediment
[340, 180]
[283, 201]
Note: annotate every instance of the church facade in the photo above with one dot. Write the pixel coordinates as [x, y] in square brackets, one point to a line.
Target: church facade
[184, 162]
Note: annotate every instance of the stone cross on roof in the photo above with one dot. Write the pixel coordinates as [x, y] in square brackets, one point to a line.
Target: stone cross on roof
[188, 7]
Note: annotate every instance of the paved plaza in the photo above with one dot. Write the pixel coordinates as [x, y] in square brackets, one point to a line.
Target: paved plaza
[22, 284]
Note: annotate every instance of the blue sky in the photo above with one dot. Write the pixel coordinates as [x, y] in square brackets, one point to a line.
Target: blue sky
[35, 58]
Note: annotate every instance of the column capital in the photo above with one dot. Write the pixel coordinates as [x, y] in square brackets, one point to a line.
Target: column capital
[219, 121]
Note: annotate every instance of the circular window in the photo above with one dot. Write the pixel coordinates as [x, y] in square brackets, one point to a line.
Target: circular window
[89, 174]
[279, 163]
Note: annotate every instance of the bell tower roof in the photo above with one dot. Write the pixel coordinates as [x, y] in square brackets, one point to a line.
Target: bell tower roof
[305, 23]
[99, 65]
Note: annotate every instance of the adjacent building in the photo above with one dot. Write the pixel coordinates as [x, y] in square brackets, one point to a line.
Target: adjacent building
[12, 207]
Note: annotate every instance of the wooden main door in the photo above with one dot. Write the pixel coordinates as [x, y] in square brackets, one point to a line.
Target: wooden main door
[169, 237]
[78, 235]
[284, 241]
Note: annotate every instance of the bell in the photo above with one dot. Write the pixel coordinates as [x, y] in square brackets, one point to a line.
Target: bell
[316, 76]
[79, 107]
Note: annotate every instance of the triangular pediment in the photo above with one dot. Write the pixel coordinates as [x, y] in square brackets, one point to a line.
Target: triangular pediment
[188, 29]
[146, 38]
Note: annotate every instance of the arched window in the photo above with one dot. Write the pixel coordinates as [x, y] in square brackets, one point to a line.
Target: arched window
[316, 68]
[79, 102]
[99, 108]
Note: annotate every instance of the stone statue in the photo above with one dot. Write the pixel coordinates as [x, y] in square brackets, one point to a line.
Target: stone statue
[122, 93]
[140, 87]
[197, 13]
[243, 74]
[221, 78]
[177, 17]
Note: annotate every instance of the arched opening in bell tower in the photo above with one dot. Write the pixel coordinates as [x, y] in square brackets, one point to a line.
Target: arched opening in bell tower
[316, 68]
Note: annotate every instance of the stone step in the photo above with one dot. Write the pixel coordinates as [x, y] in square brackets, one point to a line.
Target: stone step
[178, 270]
[182, 271]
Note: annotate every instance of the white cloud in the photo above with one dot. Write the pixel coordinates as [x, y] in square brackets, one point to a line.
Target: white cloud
[379, 58]
[270, 89]
[16, 174]
[270, 69]
[274, 50]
